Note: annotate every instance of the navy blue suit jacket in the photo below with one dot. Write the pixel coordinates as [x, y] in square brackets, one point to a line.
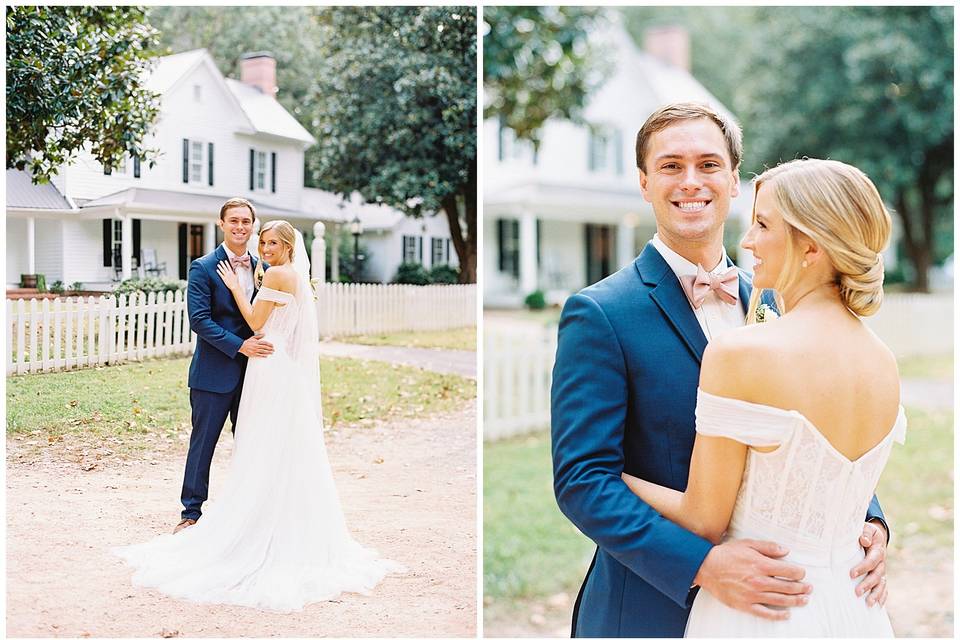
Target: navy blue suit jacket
[217, 365]
[623, 398]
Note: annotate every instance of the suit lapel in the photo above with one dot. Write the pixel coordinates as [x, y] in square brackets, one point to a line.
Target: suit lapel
[746, 286]
[667, 293]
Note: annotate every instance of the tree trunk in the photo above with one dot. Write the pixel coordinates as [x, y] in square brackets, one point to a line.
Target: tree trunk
[918, 244]
[465, 244]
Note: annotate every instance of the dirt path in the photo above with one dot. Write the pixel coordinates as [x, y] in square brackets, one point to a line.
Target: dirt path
[408, 489]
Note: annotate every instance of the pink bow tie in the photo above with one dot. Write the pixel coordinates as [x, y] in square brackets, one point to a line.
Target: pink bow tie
[241, 261]
[725, 284]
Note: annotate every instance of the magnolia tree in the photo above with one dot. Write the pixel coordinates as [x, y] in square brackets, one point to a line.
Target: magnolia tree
[74, 81]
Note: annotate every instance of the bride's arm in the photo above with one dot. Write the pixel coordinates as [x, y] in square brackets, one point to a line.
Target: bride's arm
[716, 466]
[256, 314]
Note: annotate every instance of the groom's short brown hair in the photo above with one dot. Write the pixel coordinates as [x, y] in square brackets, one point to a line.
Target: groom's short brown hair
[672, 113]
[238, 202]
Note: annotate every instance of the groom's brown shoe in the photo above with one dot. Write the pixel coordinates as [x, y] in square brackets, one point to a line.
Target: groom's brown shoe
[186, 522]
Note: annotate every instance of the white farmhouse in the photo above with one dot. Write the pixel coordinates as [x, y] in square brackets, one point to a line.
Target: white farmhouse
[573, 213]
[218, 138]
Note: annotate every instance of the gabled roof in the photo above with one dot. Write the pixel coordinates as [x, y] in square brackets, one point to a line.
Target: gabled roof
[263, 113]
[267, 115]
[23, 194]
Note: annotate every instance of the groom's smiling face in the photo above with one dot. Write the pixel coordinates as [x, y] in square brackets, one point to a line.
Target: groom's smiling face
[689, 180]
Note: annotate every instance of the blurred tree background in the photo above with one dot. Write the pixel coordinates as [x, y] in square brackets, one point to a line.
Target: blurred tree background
[871, 86]
[389, 93]
[538, 63]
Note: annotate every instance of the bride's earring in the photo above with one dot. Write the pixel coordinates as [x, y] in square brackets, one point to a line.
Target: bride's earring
[804, 264]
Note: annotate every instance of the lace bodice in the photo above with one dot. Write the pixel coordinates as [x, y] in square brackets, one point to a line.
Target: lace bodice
[805, 494]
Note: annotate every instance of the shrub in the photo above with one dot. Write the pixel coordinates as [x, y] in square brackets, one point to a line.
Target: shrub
[444, 274]
[147, 285]
[411, 273]
[536, 301]
[76, 286]
[57, 287]
[41, 283]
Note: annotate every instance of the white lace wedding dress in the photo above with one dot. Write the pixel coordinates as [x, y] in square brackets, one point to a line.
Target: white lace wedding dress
[275, 536]
[808, 497]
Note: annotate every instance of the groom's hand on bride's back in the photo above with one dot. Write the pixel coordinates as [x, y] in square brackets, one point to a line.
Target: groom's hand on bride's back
[748, 575]
[256, 347]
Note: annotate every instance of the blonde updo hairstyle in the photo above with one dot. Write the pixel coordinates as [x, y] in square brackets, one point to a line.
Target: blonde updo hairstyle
[837, 207]
[285, 233]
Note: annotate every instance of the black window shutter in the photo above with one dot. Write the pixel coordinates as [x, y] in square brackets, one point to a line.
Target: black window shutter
[515, 249]
[136, 241]
[210, 163]
[252, 154]
[108, 242]
[501, 239]
[182, 249]
[136, 166]
[420, 249]
[273, 172]
[186, 161]
[403, 248]
[448, 250]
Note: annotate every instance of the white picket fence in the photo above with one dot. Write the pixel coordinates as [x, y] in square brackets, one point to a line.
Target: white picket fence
[74, 333]
[518, 358]
[517, 368]
[357, 309]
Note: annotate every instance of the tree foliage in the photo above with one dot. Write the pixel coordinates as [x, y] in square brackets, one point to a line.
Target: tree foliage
[394, 110]
[871, 86]
[538, 63]
[74, 78]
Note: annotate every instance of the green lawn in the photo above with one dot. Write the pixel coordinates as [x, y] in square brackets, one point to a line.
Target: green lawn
[464, 339]
[529, 548]
[152, 397]
[939, 366]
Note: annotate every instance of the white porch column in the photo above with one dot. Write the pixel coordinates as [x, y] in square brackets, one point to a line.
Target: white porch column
[31, 245]
[209, 237]
[335, 254]
[626, 239]
[318, 253]
[126, 247]
[528, 253]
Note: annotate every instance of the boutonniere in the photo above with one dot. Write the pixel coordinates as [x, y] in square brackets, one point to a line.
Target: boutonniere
[765, 313]
[258, 275]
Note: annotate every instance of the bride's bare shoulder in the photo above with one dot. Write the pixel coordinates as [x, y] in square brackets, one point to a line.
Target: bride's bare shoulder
[736, 363]
[281, 278]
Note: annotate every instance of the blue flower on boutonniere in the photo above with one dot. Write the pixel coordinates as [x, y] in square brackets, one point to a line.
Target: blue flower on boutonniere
[765, 313]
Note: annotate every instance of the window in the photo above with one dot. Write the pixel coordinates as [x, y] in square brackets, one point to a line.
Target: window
[410, 252]
[605, 151]
[508, 246]
[261, 170]
[196, 161]
[439, 252]
[509, 148]
[113, 243]
[197, 93]
[599, 240]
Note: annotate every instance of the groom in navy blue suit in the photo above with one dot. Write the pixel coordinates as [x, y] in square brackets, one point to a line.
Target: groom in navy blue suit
[224, 342]
[624, 393]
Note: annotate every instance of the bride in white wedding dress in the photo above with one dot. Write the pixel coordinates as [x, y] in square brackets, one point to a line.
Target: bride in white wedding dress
[275, 538]
[796, 418]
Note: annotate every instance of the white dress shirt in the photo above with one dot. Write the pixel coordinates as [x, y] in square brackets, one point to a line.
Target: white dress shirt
[245, 276]
[714, 315]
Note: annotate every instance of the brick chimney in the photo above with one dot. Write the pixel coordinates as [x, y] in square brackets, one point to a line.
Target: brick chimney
[259, 69]
[669, 43]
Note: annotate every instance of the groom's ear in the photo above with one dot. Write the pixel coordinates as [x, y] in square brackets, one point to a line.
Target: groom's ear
[643, 185]
[735, 191]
